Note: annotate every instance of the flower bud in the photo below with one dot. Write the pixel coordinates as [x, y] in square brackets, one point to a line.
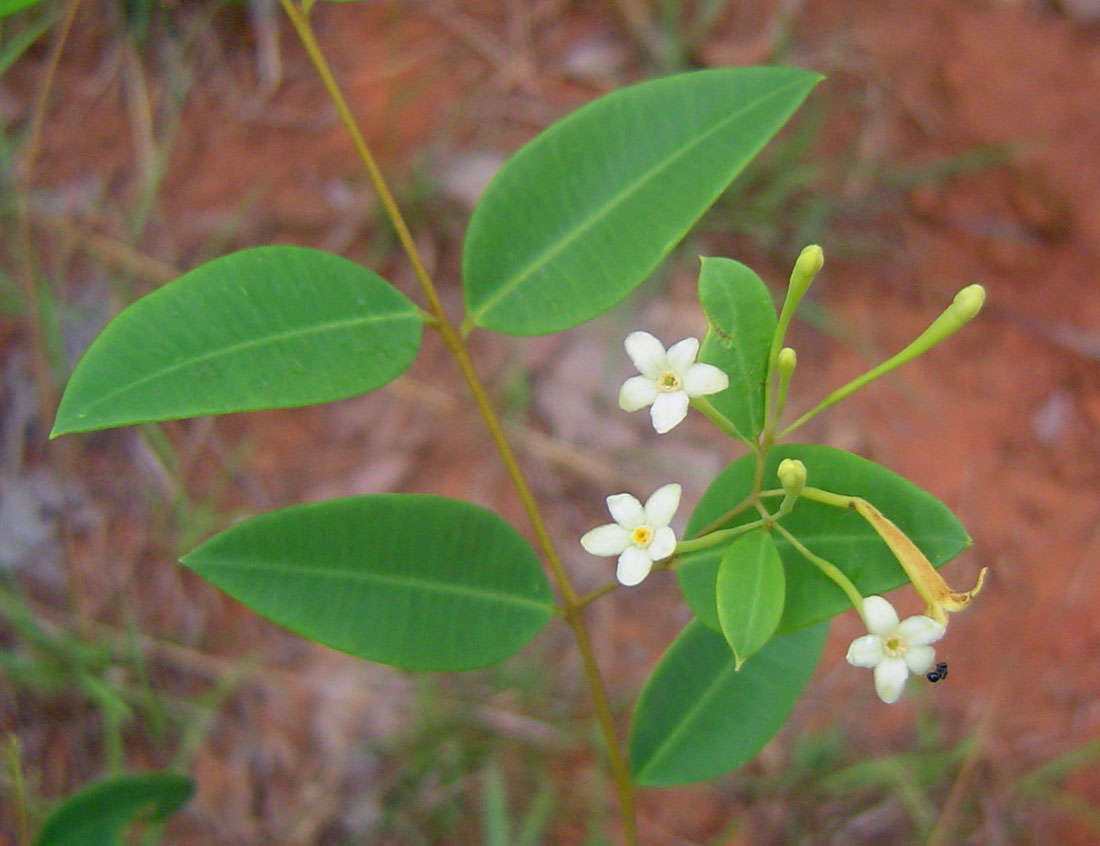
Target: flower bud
[968, 302]
[786, 361]
[792, 475]
[809, 262]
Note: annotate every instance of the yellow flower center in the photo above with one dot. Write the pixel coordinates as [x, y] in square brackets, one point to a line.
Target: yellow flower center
[894, 647]
[668, 381]
[642, 535]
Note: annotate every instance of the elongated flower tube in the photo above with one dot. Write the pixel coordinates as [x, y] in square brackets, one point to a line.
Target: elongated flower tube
[640, 534]
[964, 308]
[939, 598]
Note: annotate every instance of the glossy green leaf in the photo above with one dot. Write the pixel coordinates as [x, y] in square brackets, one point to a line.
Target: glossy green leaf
[698, 717]
[750, 591]
[838, 535]
[420, 582]
[100, 813]
[581, 215]
[270, 327]
[10, 7]
[740, 323]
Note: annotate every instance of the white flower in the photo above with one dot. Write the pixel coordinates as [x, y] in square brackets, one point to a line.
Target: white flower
[669, 379]
[639, 536]
[894, 649]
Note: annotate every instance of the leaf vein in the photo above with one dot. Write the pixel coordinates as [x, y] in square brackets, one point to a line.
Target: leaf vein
[404, 581]
[297, 332]
[617, 200]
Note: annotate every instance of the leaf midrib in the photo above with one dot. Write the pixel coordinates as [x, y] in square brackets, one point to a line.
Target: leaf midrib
[690, 714]
[754, 391]
[298, 332]
[379, 578]
[616, 200]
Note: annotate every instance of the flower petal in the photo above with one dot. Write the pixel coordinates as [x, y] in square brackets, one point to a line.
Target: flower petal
[879, 615]
[606, 540]
[662, 504]
[626, 510]
[920, 659]
[663, 544]
[890, 678]
[866, 651]
[647, 353]
[681, 355]
[634, 565]
[637, 392]
[920, 630]
[668, 410]
[704, 379]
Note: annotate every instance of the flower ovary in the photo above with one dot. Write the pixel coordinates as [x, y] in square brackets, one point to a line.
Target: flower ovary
[668, 381]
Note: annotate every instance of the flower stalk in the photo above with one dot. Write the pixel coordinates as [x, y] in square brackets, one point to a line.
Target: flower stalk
[964, 308]
[715, 538]
[828, 568]
[806, 267]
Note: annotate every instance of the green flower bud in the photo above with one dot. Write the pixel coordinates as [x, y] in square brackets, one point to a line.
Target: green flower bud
[792, 475]
[968, 302]
[966, 305]
[809, 262]
[786, 361]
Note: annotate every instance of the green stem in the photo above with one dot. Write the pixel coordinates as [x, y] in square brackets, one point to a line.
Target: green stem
[715, 538]
[827, 497]
[828, 568]
[743, 505]
[13, 753]
[572, 611]
[965, 306]
[703, 406]
[785, 507]
[592, 596]
[805, 268]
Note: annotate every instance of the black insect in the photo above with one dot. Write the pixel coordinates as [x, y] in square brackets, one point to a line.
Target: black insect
[939, 673]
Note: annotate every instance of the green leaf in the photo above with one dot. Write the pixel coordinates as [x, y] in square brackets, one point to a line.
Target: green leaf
[838, 535]
[420, 582]
[698, 717]
[101, 812]
[10, 7]
[581, 215]
[750, 589]
[740, 323]
[270, 327]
